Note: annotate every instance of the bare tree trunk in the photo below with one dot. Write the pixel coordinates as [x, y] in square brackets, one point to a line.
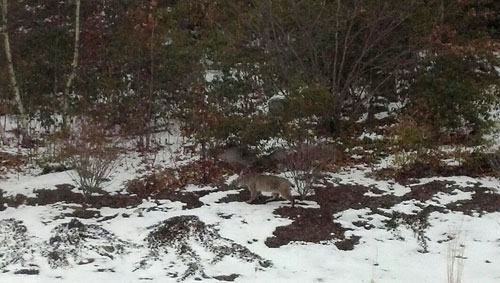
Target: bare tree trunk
[3, 135]
[74, 65]
[12, 73]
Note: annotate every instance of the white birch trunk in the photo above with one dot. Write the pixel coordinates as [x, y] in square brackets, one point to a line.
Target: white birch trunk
[3, 136]
[12, 73]
[74, 65]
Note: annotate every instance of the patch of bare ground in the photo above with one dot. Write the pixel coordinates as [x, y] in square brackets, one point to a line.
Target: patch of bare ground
[483, 200]
[241, 196]
[317, 225]
[2, 201]
[190, 199]
[473, 165]
[309, 225]
[64, 193]
[229, 278]
[427, 191]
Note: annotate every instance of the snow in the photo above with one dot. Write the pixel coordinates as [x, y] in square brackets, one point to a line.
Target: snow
[382, 255]
[370, 136]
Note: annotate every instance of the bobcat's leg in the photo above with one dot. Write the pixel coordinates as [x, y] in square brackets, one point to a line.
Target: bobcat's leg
[274, 197]
[253, 194]
[286, 194]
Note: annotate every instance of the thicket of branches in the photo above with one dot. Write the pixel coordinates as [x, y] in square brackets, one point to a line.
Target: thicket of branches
[214, 64]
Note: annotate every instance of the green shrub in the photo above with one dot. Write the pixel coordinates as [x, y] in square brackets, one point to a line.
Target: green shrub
[453, 94]
[409, 135]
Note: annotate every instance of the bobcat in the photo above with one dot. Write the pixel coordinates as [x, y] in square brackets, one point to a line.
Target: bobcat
[257, 183]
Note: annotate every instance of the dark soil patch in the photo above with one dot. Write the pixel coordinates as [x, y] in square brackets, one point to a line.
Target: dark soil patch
[309, 225]
[475, 165]
[427, 191]
[85, 213]
[316, 225]
[242, 196]
[64, 193]
[27, 271]
[14, 201]
[348, 244]
[54, 168]
[336, 199]
[2, 201]
[114, 201]
[483, 200]
[190, 199]
[229, 278]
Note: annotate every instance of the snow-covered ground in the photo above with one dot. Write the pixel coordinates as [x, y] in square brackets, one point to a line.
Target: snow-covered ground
[117, 245]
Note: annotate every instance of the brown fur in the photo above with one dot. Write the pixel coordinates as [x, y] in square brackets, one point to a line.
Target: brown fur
[257, 183]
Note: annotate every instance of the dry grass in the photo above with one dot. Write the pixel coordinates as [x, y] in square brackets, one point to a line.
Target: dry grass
[455, 256]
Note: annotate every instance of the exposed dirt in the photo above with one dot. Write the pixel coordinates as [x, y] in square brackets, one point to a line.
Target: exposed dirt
[27, 271]
[229, 278]
[427, 191]
[309, 225]
[477, 165]
[241, 196]
[483, 200]
[2, 201]
[64, 193]
[190, 199]
[85, 213]
[316, 225]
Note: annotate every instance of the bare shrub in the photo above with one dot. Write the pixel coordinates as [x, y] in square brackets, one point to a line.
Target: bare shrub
[92, 152]
[305, 164]
[154, 183]
[455, 256]
[201, 172]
